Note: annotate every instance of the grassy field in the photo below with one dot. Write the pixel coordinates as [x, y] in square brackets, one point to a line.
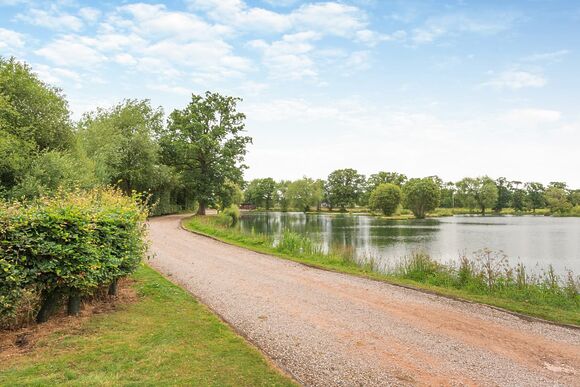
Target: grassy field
[166, 337]
[542, 298]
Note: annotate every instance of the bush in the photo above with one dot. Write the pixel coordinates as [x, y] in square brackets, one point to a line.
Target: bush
[386, 198]
[421, 196]
[68, 245]
[229, 216]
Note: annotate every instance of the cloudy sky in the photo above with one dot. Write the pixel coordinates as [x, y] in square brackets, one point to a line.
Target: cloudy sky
[452, 88]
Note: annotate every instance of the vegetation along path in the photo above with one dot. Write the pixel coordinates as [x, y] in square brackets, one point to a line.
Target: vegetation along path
[326, 328]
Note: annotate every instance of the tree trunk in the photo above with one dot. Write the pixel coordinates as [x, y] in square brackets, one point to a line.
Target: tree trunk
[49, 305]
[113, 288]
[74, 304]
[201, 209]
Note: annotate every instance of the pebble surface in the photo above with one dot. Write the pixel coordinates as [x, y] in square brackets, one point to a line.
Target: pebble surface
[331, 329]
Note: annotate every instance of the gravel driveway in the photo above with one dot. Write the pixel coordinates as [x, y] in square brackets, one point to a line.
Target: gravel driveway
[328, 329]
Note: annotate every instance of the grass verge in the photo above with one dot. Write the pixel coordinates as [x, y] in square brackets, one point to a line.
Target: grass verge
[166, 337]
[537, 299]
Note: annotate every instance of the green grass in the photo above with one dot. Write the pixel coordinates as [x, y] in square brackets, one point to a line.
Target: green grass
[537, 297]
[165, 338]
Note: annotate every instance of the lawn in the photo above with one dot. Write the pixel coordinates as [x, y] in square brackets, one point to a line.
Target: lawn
[165, 337]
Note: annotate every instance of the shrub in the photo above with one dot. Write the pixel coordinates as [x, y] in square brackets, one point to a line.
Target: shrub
[68, 245]
[386, 198]
[229, 216]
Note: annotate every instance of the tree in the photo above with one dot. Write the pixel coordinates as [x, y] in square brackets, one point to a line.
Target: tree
[344, 188]
[535, 196]
[518, 199]
[281, 195]
[261, 192]
[32, 110]
[557, 199]
[448, 195]
[575, 197]
[204, 141]
[121, 141]
[231, 194]
[480, 192]
[504, 194]
[303, 194]
[386, 198]
[421, 195]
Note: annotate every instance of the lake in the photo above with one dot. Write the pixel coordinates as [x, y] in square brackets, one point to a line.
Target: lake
[532, 240]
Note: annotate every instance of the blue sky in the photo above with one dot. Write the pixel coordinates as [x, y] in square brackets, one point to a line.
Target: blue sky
[453, 88]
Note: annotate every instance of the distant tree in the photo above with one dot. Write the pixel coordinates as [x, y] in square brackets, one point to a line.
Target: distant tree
[261, 192]
[344, 188]
[382, 177]
[535, 196]
[303, 194]
[231, 194]
[480, 192]
[204, 141]
[504, 194]
[518, 202]
[448, 195]
[574, 197]
[281, 194]
[421, 196]
[557, 199]
[386, 198]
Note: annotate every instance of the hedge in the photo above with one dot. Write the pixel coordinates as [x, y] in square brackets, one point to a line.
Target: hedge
[68, 246]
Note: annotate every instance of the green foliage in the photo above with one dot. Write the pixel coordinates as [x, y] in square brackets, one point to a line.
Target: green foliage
[229, 216]
[557, 199]
[204, 142]
[344, 188]
[421, 196]
[386, 198]
[480, 192]
[304, 193]
[72, 242]
[32, 111]
[535, 196]
[261, 193]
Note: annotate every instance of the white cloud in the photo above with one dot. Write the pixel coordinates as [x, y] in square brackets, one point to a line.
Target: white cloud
[10, 40]
[179, 90]
[329, 18]
[69, 51]
[90, 14]
[516, 79]
[290, 57]
[52, 19]
[456, 24]
[56, 75]
[358, 60]
[530, 117]
[554, 56]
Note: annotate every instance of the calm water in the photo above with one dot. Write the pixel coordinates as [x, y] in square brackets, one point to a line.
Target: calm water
[530, 239]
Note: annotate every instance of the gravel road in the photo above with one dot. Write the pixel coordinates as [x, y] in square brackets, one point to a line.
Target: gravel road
[328, 329]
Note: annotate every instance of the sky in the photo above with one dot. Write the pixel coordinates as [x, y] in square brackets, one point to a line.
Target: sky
[448, 88]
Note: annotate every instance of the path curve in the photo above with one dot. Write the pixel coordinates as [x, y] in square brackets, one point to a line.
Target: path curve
[326, 328]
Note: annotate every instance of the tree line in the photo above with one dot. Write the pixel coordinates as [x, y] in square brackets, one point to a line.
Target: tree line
[192, 159]
[195, 159]
[388, 191]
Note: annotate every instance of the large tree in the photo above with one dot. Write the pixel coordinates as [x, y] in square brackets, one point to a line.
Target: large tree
[205, 142]
[535, 196]
[261, 192]
[386, 198]
[304, 193]
[421, 196]
[480, 192]
[121, 141]
[344, 188]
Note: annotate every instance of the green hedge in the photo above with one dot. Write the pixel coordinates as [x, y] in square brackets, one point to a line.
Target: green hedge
[68, 245]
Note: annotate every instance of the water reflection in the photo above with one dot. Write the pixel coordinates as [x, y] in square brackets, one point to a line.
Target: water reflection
[532, 240]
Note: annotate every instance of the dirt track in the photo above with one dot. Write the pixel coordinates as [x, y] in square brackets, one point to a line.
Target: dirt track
[326, 328]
